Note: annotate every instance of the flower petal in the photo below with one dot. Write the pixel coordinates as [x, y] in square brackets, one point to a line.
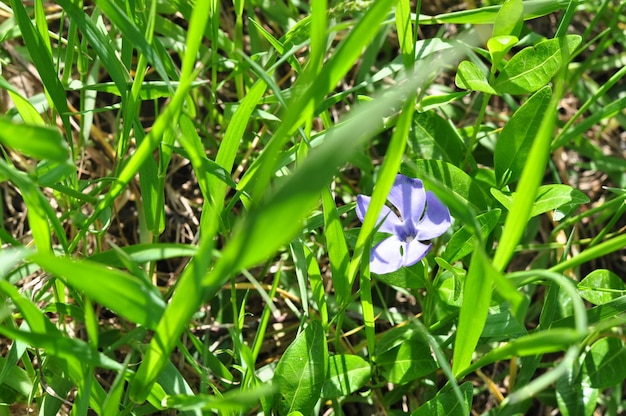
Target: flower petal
[407, 194]
[436, 219]
[414, 251]
[386, 257]
[387, 219]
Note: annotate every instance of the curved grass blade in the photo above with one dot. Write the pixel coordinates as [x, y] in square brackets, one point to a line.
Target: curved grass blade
[128, 296]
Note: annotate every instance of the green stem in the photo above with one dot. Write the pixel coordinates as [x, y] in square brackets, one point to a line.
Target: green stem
[474, 138]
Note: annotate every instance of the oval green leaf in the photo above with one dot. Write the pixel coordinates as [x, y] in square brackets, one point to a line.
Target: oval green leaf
[549, 197]
[448, 403]
[433, 137]
[601, 286]
[517, 137]
[462, 242]
[605, 363]
[470, 77]
[406, 362]
[346, 374]
[301, 371]
[533, 67]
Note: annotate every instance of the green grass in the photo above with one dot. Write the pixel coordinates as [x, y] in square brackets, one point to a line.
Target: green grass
[179, 184]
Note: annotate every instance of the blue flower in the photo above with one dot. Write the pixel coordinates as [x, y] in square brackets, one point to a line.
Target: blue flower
[422, 218]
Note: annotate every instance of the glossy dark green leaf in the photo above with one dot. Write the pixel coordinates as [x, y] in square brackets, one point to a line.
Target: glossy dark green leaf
[517, 137]
[601, 286]
[407, 361]
[346, 374]
[605, 363]
[574, 394]
[456, 180]
[501, 324]
[462, 242]
[533, 67]
[447, 404]
[549, 197]
[407, 277]
[433, 137]
[301, 371]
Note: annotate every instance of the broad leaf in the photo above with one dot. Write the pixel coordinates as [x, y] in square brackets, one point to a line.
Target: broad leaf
[501, 324]
[447, 404]
[605, 363]
[549, 197]
[574, 394]
[533, 67]
[456, 180]
[433, 137]
[462, 242]
[470, 77]
[499, 46]
[301, 371]
[407, 361]
[346, 374]
[412, 277]
[517, 137]
[601, 286]
[509, 19]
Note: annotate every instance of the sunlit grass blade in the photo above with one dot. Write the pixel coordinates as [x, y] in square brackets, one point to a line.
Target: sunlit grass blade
[165, 120]
[42, 217]
[39, 142]
[26, 110]
[530, 180]
[232, 138]
[40, 54]
[488, 14]
[261, 232]
[473, 314]
[101, 45]
[319, 33]
[405, 32]
[143, 253]
[131, 31]
[337, 247]
[127, 295]
[261, 171]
